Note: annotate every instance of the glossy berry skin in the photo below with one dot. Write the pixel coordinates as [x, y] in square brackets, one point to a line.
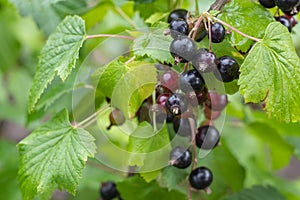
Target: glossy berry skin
[178, 13]
[177, 104]
[267, 3]
[285, 21]
[292, 19]
[169, 79]
[200, 36]
[286, 5]
[204, 61]
[180, 157]
[218, 32]
[183, 49]
[182, 126]
[216, 101]
[227, 69]
[207, 137]
[201, 178]
[161, 99]
[108, 191]
[191, 80]
[179, 27]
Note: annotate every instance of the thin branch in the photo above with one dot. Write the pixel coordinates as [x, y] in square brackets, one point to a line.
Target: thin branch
[197, 7]
[125, 16]
[235, 30]
[218, 5]
[110, 36]
[91, 117]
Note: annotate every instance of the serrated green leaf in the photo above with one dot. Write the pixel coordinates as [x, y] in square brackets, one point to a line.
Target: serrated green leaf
[248, 17]
[134, 87]
[173, 176]
[58, 57]
[53, 156]
[272, 71]
[42, 11]
[145, 140]
[154, 44]
[146, 191]
[257, 193]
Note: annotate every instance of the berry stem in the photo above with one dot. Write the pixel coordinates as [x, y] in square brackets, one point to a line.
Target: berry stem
[209, 36]
[91, 118]
[196, 27]
[154, 114]
[110, 36]
[235, 30]
[194, 161]
[130, 60]
[197, 7]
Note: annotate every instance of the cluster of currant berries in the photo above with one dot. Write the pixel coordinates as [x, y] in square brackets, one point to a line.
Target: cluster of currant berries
[288, 7]
[108, 191]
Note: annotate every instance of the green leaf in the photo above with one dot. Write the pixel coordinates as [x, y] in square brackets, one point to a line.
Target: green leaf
[53, 156]
[280, 150]
[133, 87]
[150, 176]
[156, 17]
[43, 11]
[154, 44]
[8, 171]
[173, 176]
[146, 191]
[257, 193]
[145, 140]
[271, 71]
[58, 56]
[248, 17]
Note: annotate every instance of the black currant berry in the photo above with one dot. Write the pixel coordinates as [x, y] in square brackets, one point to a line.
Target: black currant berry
[161, 99]
[116, 117]
[179, 27]
[183, 49]
[178, 13]
[177, 104]
[201, 178]
[108, 191]
[204, 61]
[218, 32]
[207, 137]
[202, 96]
[286, 5]
[169, 79]
[267, 3]
[180, 157]
[216, 101]
[285, 21]
[182, 126]
[211, 114]
[227, 69]
[191, 80]
[292, 19]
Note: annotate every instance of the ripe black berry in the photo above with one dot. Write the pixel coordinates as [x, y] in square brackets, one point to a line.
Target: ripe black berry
[108, 190]
[116, 117]
[200, 35]
[183, 49]
[267, 3]
[169, 79]
[217, 32]
[227, 69]
[191, 80]
[178, 13]
[285, 21]
[204, 61]
[179, 27]
[286, 5]
[216, 101]
[207, 137]
[182, 126]
[177, 104]
[200, 178]
[180, 157]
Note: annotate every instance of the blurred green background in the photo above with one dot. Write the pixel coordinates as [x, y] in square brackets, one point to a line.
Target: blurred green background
[256, 150]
